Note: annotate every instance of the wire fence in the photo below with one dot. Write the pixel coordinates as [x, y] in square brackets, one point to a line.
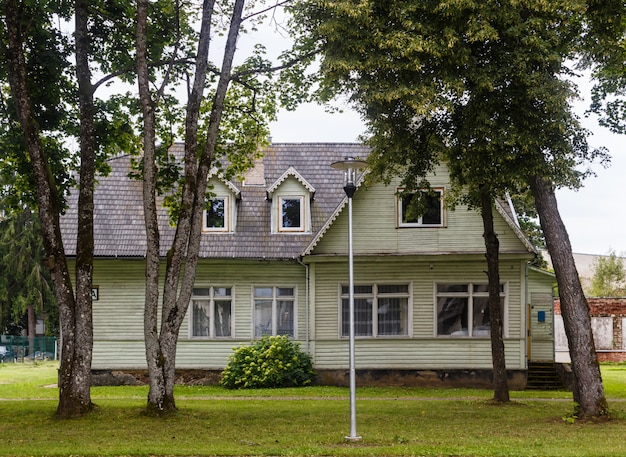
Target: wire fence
[14, 349]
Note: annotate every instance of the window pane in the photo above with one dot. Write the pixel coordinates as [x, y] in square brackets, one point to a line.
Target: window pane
[215, 213]
[429, 207]
[392, 316]
[442, 288]
[432, 216]
[482, 319]
[263, 291]
[201, 291]
[200, 313]
[290, 213]
[362, 317]
[407, 216]
[221, 292]
[222, 317]
[452, 316]
[481, 325]
[393, 289]
[345, 290]
[284, 309]
[284, 292]
[485, 288]
[262, 318]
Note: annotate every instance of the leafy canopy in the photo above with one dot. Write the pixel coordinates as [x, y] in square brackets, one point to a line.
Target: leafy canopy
[609, 276]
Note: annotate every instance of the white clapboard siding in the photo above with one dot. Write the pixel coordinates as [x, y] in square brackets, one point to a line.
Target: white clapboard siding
[416, 354]
[422, 274]
[375, 229]
[118, 313]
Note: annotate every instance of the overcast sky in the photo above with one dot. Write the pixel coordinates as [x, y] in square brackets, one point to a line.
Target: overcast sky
[595, 216]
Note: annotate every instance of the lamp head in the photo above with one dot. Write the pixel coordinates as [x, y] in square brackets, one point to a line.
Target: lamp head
[350, 166]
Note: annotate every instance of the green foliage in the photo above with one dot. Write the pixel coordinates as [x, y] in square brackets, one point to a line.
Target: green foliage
[24, 281]
[272, 361]
[609, 276]
[481, 85]
[605, 53]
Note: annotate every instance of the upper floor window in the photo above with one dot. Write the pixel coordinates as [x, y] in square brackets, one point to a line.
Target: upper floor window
[291, 214]
[220, 212]
[216, 215]
[274, 311]
[211, 312]
[291, 196]
[463, 309]
[427, 211]
[379, 310]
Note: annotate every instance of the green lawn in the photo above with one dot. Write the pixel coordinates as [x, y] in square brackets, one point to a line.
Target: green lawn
[309, 421]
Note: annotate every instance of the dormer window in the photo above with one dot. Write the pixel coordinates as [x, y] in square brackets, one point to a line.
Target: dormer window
[216, 215]
[220, 213]
[291, 197]
[429, 215]
[291, 214]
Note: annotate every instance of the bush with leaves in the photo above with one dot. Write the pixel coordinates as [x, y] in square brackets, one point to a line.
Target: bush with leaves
[272, 361]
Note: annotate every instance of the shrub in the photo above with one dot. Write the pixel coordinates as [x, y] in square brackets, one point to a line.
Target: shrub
[272, 361]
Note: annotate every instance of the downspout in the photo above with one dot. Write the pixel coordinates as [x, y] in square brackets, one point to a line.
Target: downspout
[306, 303]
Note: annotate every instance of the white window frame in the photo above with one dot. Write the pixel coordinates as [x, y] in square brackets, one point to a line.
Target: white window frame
[470, 295]
[227, 216]
[374, 296]
[212, 298]
[302, 226]
[275, 298]
[420, 223]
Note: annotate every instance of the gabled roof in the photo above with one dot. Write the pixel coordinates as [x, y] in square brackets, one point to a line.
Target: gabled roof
[119, 225]
[214, 173]
[291, 171]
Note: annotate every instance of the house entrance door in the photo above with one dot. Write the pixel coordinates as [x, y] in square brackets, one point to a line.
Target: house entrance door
[541, 328]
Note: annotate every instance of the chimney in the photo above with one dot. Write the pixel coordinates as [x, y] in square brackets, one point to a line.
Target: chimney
[256, 175]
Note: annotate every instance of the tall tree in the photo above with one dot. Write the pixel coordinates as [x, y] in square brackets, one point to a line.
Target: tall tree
[609, 276]
[45, 89]
[24, 281]
[480, 85]
[74, 396]
[222, 130]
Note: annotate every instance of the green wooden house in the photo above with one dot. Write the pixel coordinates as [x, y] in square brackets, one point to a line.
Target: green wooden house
[274, 261]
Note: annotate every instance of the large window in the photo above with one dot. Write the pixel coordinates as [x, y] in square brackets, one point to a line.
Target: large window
[463, 309]
[291, 214]
[426, 211]
[379, 310]
[274, 311]
[216, 215]
[211, 312]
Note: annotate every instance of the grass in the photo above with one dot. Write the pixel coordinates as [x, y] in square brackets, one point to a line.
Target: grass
[309, 421]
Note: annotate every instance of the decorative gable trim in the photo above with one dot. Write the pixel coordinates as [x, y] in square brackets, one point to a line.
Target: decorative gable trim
[291, 171]
[234, 189]
[514, 226]
[331, 220]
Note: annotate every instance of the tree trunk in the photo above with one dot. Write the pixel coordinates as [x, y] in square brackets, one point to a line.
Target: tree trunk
[74, 382]
[588, 388]
[492, 246]
[183, 255]
[83, 323]
[158, 400]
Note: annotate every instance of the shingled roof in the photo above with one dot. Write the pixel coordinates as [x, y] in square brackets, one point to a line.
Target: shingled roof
[119, 225]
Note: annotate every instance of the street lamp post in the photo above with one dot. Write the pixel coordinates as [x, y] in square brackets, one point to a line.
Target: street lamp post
[350, 166]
